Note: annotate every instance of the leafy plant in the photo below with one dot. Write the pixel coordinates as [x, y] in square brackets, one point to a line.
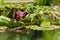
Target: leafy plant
[35, 18]
[4, 20]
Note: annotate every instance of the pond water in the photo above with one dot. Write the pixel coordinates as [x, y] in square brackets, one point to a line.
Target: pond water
[14, 36]
[8, 36]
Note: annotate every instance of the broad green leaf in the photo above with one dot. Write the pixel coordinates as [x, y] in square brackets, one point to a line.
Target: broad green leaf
[45, 23]
[4, 19]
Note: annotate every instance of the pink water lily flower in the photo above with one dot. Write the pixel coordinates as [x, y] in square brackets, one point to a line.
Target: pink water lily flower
[20, 14]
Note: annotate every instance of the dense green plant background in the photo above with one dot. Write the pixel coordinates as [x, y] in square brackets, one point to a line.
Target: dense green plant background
[43, 2]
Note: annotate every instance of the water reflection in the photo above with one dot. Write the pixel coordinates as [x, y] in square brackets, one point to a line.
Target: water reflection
[16, 36]
[9, 36]
[13, 36]
[3, 36]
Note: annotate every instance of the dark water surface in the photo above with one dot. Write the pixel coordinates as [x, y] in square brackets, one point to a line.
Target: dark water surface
[12, 36]
[15, 36]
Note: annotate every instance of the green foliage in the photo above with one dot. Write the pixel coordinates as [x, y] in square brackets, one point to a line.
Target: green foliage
[47, 2]
[14, 24]
[37, 15]
[4, 20]
[39, 18]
